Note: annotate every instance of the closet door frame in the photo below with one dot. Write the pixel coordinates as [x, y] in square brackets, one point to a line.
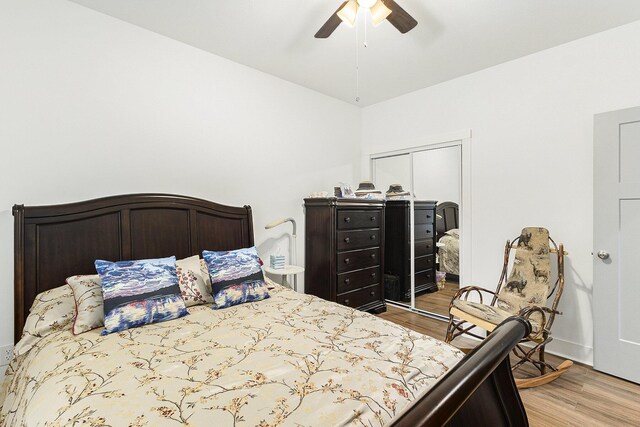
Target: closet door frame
[453, 139]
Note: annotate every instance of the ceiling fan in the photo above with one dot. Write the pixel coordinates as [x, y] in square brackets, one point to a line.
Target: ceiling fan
[380, 10]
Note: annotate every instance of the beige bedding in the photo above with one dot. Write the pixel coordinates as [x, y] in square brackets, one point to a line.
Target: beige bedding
[449, 252]
[289, 360]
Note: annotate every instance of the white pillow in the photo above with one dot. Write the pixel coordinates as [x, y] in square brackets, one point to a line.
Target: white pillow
[52, 311]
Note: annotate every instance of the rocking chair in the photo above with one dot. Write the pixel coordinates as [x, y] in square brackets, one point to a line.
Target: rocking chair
[524, 293]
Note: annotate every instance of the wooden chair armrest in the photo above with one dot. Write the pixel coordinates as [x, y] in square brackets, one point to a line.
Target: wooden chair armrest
[526, 313]
[464, 292]
[550, 311]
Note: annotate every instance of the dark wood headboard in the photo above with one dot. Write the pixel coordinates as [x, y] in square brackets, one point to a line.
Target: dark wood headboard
[57, 241]
[446, 218]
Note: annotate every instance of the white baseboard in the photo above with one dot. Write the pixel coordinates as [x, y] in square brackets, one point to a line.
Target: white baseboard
[571, 350]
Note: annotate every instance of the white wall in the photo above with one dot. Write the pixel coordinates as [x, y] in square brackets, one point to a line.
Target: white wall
[436, 174]
[91, 106]
[531, 153]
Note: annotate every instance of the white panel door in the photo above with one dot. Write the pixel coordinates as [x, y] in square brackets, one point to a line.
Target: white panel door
[616, 271]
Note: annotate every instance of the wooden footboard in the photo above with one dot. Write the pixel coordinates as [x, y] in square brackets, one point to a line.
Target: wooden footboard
[478, 391]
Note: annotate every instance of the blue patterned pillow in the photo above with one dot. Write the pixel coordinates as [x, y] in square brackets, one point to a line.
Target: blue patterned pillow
[236, 277]
[139, 292]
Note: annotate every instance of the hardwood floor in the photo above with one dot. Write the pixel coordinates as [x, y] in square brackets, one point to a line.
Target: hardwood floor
[438, 302]
[581, 397]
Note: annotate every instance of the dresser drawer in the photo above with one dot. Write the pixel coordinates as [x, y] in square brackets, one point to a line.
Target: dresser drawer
[352, 219]
[424, 231]
[356, 260]
[358, 239]
[424, 263]
[360, 297]
[424, 216]
[358, 279]
[424, 247]
[424, 277]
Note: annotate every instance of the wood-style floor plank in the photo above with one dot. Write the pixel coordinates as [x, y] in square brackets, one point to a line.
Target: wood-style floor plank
[581, 397]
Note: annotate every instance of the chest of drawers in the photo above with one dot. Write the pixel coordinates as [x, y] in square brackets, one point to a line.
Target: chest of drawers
[397, 245]
[344, 251]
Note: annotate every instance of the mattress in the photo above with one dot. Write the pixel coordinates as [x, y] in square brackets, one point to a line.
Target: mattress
[292, 359]
[449, 252]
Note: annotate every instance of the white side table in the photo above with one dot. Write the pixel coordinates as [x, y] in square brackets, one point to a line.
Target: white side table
[439, 245]
[288, 270]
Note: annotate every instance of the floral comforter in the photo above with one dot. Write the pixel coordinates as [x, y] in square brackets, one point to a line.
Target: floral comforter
[289, 360]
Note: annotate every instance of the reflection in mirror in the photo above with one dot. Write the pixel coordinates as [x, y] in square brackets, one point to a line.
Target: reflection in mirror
[387, 172]
[437, 176]
[398, 247]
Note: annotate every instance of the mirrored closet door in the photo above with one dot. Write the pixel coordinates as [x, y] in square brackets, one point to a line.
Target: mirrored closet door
[422, 225]
[392, 175]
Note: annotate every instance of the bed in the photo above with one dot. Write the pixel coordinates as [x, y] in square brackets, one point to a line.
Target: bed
[448, 238]
[291, 359]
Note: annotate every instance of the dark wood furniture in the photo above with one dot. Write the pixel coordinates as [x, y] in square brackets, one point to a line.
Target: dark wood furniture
[397, 252]
[344, 248]
[54, 242]
[447, 218]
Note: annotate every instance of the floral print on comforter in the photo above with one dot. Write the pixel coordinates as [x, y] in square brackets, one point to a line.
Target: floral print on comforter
[289, 360]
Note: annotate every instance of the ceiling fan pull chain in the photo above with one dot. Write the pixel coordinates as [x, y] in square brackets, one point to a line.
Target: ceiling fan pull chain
[365, 27]
[357, 64]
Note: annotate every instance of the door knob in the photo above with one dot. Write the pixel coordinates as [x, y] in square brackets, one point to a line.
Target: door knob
[603, 254]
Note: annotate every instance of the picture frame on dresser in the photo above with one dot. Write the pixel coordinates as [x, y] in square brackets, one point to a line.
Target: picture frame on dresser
[344, 251]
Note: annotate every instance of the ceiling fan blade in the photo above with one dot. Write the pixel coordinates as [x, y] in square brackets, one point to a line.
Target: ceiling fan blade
[399, 17]
[331, 24]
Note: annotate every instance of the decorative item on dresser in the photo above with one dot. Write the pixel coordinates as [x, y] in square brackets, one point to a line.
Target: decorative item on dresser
[397, 253]
[344, 251]
[290, 269]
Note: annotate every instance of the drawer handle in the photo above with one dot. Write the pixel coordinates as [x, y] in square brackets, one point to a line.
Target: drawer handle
[346, 260]
[347, 219]
[373, 218]
[373, 256]
[428, 216]
[347, 240]
[346, 281]
[373, 274]
[372, 237]
[372, 293]
[428, 231]
[346, 301]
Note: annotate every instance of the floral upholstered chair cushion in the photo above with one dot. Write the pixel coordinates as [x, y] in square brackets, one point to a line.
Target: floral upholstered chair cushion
[52, 311]
[139, 292]
[236, 277]
[89, 305]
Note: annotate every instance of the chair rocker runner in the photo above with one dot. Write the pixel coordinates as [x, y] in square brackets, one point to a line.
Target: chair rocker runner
[522, 292]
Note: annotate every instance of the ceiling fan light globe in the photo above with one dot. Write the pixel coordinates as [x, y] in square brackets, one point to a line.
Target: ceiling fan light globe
[349, 13]
[379, 12]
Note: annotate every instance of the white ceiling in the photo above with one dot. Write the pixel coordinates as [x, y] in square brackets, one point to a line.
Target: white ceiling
[453, 37]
